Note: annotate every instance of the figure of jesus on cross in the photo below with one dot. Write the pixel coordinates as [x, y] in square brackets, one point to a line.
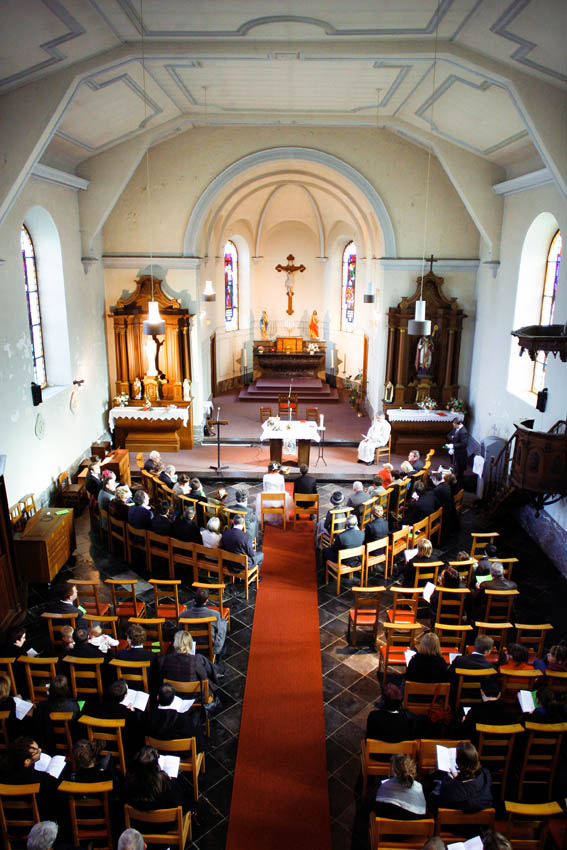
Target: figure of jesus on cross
[289, 269]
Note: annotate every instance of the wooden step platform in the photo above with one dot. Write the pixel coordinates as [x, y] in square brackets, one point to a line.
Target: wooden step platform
[308, 390]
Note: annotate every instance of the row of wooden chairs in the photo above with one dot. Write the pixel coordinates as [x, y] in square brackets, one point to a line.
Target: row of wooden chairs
[21, 511]
[311, 413]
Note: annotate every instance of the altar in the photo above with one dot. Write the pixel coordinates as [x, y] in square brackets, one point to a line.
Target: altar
[289, 356]
[282, 432]
[161, 428]
[420, 429]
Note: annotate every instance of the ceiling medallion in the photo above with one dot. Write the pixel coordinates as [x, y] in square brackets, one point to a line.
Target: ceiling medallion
[39, 427]
[547, 338]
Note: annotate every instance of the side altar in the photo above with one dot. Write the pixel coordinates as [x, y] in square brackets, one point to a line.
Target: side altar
[289, 356]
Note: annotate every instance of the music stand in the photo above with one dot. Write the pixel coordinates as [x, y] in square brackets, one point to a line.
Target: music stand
[218, 422]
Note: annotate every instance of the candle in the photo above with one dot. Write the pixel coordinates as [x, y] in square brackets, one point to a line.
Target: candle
[245, 360]
[332, 358]
[321, 420]
[344, 364]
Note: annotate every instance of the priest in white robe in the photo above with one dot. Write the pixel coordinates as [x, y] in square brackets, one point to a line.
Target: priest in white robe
[377, 436]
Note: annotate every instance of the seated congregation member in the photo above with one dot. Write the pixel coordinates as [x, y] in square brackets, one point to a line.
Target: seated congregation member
[274, 482]
[497, 582]
[377, 528]
[131, 839]
[239, 542]
[14, 647]
[58, 699]
[166, 723]
[121, 504]
[185, 528]
[113, 707]
[376, 437]
[414, 459]
[181, 486]
[100, 639]
[478, 658]
[168, 476]
[82, 647]
[140, 515]
[93, 480]
[356, 498]
[517, 658]
[377, 487]
[386, 475]
[428, 665]
[470, 790]
[161, 524]
[66, 603]
[147, 787]
[13, 725]
[106, 494]
[196, 491]
[555, 659]
[406, 468]
[211, 535]
[337, 502]
[17, 767]
[349, 539]
[391, 722]
[151, 462]
[495, 841]
[423, 555]
[444, 498]
[199, 607]
[491, 711]
[136, 638]
[89, 764]
[422, 503]
[401, 797]
[43, 835]
[305, 484]
[551, 709]
[181, 665]
[241, 504]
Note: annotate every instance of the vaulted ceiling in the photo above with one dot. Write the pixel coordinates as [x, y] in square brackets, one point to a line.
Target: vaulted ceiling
[173, 64]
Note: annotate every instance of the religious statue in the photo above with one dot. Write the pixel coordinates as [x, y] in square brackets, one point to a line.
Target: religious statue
[137, 388]
[186, 390]
[264, 325]
[424, 355]
[314, 325]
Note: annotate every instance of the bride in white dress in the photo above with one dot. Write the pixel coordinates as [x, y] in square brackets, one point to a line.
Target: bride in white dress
[274, 482]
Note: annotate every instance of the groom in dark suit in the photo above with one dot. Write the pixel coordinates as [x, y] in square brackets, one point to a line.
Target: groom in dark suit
[459, 439]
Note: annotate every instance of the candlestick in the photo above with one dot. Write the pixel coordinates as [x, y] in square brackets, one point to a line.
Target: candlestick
[332, 358]
[321, 420]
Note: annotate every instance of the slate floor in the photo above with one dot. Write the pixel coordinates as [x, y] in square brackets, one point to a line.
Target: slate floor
[350, 683]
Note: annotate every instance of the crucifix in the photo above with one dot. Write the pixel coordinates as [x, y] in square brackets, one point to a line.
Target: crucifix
[289, 270]
[431, 260]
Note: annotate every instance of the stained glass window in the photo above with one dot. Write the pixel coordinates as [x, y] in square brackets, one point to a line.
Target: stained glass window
[230, 286]
[348, 287]
[547, 306]
[34, 312]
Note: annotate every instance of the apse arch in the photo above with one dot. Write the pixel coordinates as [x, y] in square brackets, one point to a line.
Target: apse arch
[201, 209]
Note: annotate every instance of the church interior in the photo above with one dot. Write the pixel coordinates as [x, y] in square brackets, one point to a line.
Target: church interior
[336, 213]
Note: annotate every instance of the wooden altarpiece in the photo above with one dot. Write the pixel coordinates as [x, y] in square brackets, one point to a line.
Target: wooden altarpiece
[129, 340]
[439, 379]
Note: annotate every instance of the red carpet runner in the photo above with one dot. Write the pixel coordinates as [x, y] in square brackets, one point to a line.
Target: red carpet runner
[280, 798]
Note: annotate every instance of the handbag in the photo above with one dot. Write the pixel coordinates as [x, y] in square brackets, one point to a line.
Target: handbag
[439, 714]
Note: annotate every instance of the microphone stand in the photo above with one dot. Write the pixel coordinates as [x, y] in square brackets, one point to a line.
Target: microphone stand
[218, 423]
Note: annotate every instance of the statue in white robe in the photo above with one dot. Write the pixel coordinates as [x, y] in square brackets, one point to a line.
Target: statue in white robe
[377, 436]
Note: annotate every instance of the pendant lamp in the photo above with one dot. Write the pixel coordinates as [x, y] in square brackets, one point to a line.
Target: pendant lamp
[209, 292]
[154, 325]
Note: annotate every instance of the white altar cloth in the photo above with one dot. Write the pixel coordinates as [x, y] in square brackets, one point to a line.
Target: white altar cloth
[154, 413]
[407, 415]
[291, 430]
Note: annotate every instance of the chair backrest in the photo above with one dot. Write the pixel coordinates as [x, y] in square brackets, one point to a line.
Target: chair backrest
[468, 684]
[89, 597]
[377, 755]
[89, 811]
[497, 631]
[63, 480]
[201, 629]
[452, 638]
[464, 569]
[169, 826]
[338, 521]
[507, 563]
[165, 590]
[272, 503]
[133, 671]
[124, 602]
[451, 604]
[398, 500]
[305, 503]
[153, 627]
[366, 610]
[85, 675]
[495, 746]
[4, 736]
[109, 732]
[377, 553]
[54, 624]
[27, 505]
[527, 824]
[458, 499]
[106, 621]
[405, 601]
[16, 517]
[499, 605]
[514, 681]
[181, 554]
[427, 461]
[425, 572]
[185, 748]
[231, 514]
[420, 696]
[481, 539]
[428, 752]
[60, 727]
[532, 635]
[6, 666]
[556, 680]
[265, 413]
[540, 755]
[39, 673]
[354, 552]
[140, 460]
[436, 524]
[383, 499]
[388, 834]
[454, 825]
[367, 511]
[400, 541]
[399, 638]
[149, 483]
[231, 561]
[18, 812]
[419, 530]
[136, 538]
[207, 559]
[216, 595]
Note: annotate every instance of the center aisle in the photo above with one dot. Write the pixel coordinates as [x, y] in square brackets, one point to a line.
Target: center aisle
[280, 798]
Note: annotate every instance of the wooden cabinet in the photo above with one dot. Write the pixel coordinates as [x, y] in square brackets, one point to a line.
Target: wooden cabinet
[45, 544]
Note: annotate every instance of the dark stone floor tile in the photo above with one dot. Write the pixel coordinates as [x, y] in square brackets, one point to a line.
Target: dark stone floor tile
[349, 737]
[337, 627]
[240, 661]
[336, 606]
[244, 617]
[340, 837]
[220, 796]
[346, 818]
[215, 772]
[340, 796]
[349, 772]
[226, 698]
[218, 737]
[348, 704]
[230, 718]
[325, 617]
[235, 687]
[366, 689]
[328, 662]
[230, 675]
[333, 719]
[326, 637]
[336, 755]
[215, 839]
[330, 689]
[340, 649]
[207, 815]
[343, 675]
[226, 753]
[242, 637]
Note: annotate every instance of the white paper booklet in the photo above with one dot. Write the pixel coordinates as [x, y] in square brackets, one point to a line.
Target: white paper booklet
[179, 705]
[408, 655]
[526, 700]
[31, 652]
[452, 656]
[23, 706]
[409, 553]
[138, 699]
[428, 591]
[447, 759]
[50, 764]
[472, 844]
[170, 765]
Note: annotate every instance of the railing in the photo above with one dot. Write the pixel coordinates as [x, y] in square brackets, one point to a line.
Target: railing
[499, 470]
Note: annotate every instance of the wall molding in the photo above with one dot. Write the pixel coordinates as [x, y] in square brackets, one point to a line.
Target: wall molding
[134, 261]
[526, 181]
[61, 178]
[403, 264]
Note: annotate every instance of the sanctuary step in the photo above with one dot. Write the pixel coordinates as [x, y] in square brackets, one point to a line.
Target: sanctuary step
[307, 390]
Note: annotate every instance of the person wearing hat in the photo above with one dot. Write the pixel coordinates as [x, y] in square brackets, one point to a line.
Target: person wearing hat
[337, 501]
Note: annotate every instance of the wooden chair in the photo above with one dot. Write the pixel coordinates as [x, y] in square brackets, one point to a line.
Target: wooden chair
[556, 680]
[312, 414]
[452, 638]
[338, 525]
[135, 672]
[399, 638]
[427, 571]
[136, 541]
[157, 546]
[499, 605]
[18, 812]
[399, 498]
[231, 514]
[265, 413]
[54, 625]
[366, 611]
[192, 761]
[420, 696]
[495, 746]
[4, 736]
[287, 406]
[39, 673]
[405, 602]
[508, 565]
[61, 729]
[207, 560]
[514, 681]
[27, 506]
[201, 629]
[399, 543]
[376, 554]
[481, 539]
[86, 677]
[173, 828]
[7, 666]
[70, 495]
[459, 499]
[89, 812]
[418, 531]
[527, 824]
[468, 684]
[117, 532]
[16, 517]
[124, 602]
[435, 525]
[339, 568]
[464, 569]
[451, 605]
[199, 691]
[153, 627]
[304, 503]
[166, 589]
[272, 503]
[427, 757]
[230, 561]
[216, 593]
[427, 461]
[387, 834]
[533, 636]
[107, 622]
[140, 460]
[375, 757]
[182, 555]
[109, 732]
[497, 631]
[454, 825]
[366, 515]
[88, 597]
[384, 450]
[149, 484]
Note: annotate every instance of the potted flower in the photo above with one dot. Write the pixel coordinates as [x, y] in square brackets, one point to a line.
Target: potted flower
[456, 405]
[121, 400]
[427, 403]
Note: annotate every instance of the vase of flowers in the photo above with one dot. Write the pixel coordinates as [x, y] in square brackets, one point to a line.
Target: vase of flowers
[121, 400]
[456, 405]
[312, 348]
[427, 403]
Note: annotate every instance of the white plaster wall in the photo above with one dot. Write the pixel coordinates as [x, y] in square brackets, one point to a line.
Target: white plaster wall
[32, 464]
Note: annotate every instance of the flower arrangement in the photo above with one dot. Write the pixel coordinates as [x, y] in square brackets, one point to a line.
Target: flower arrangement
[456, 405]
[272, 423]
[121, 400]
[147, 403]
[428, 403]
[312, 347]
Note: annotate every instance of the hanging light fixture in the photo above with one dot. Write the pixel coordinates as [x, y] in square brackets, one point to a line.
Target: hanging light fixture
[154, 325]
[208, 292]
[419, 325]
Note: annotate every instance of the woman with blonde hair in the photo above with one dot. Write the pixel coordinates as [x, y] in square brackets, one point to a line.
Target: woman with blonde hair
[428, 665]
[184, 664]
[423, 555]
[401, 797]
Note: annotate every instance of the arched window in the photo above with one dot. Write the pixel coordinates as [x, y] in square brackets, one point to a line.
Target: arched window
[348, 287]
[34, 311]
[549, 290]
[230, 286]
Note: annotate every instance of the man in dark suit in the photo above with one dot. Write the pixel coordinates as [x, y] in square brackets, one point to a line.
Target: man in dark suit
[349, 539]
[160, 523]
[66, 603]
[304, 483]
[377, 528]
[241, 504]
[356, 498]
[491, 711]
[84, 649]
[166, 723]
[458, 439]
[136, 637]
[443, 494]
[236, 540]
[415, 460]
[423, 505]
[185, 528]
[168, 476]
[199, 608]
[478, 659]
[140, 514]
[113, 708]
[497, 582]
